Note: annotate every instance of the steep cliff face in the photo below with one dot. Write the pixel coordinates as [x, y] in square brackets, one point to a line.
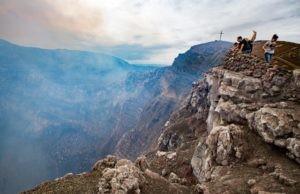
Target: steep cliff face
[245, 119]
[168, 87]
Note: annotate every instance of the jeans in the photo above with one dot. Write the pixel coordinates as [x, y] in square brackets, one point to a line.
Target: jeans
[247, 51]
[268, 57]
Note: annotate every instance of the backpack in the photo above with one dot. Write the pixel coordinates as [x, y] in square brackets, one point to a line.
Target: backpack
[247, 45]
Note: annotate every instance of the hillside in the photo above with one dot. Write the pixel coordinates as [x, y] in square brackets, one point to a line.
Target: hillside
[287, 53]
[236, 132]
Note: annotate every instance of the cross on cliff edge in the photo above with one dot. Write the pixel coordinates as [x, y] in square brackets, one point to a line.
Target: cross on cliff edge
[221, 33]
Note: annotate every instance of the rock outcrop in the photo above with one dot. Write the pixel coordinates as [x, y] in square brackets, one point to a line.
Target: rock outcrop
[247, 99]
[125, 177]
[115, 176]
[245, 119]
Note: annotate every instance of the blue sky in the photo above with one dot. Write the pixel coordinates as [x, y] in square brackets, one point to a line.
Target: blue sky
[144, 32]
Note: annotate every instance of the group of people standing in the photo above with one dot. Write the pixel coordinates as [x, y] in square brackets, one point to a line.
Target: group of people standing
[245, 45]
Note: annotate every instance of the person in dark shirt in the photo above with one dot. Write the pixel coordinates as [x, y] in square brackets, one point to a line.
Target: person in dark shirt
[246, 44]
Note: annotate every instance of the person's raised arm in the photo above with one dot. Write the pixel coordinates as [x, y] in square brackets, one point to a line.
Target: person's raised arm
[253, 36]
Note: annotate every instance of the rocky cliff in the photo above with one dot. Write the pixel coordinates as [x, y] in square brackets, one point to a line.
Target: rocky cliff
[244, 119]
[165, 89]
[236, 133]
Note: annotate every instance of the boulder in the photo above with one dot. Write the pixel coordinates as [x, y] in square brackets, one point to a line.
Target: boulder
[141, 163]
[251, 182]
[108, 162]
[279, 126]
[124, 178]
[173, 178]
[223, 145]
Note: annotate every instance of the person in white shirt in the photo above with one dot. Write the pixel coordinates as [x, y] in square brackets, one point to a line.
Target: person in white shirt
[269, 48]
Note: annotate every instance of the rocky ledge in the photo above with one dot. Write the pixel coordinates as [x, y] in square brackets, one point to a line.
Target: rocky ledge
[114, 176]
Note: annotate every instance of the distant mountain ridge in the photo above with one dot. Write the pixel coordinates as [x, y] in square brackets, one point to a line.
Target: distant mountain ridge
[64, 54]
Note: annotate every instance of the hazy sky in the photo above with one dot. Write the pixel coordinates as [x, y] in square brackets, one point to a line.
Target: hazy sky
[152, 31]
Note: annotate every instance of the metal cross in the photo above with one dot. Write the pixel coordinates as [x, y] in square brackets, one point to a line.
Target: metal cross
[221, 33]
